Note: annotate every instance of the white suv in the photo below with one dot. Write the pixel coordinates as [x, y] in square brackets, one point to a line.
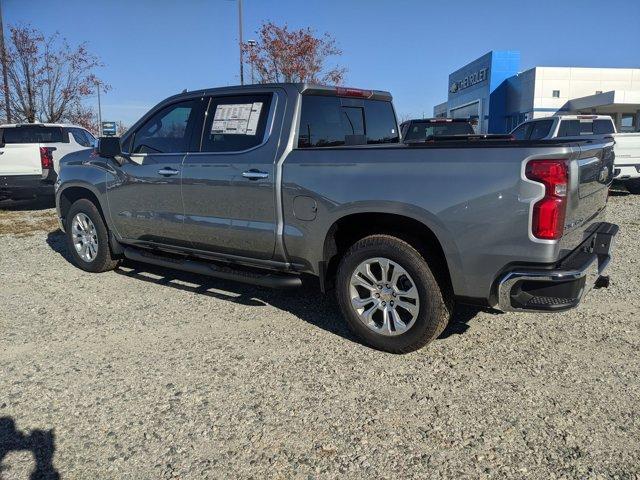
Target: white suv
[577, 127]
[30, 156]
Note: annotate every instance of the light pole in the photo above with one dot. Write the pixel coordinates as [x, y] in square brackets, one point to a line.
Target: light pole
[252, 43]
[99, 110]
[240, 41]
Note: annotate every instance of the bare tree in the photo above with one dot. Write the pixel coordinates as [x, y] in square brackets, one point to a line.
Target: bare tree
[49, 79]
[283, 55]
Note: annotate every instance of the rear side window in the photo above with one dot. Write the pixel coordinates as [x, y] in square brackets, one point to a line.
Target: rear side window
[603, 127]
[32, 134]
[540, 129]
[333, 121]
[236, 123]
[82, 137]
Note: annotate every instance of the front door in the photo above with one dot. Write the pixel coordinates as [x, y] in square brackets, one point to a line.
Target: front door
[229, 186]
[145, 202]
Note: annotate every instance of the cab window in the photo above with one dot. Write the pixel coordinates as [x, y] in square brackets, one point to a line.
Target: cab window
[328, 121]
[169, 130]
[236, 123]
[522, 132]
[540, 129]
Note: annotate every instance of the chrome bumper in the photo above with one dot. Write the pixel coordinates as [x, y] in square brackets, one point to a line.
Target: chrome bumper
[562, 287]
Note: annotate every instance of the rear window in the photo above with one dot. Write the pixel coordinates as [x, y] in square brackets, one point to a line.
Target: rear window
[603, 127]
[575, 128]
[335, 121]
[423, 130]
[569, 128]
[32, 134]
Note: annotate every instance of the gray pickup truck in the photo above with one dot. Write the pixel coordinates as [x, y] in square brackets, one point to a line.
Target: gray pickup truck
[263, 183]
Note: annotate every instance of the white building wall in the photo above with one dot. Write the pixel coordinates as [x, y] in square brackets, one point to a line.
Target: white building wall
[576, 82]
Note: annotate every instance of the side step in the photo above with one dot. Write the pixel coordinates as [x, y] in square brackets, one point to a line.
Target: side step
[271, 280]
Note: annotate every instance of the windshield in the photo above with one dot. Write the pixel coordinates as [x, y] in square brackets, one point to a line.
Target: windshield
[422, 130]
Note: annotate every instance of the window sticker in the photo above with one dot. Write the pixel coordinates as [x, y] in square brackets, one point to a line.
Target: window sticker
[236, 119]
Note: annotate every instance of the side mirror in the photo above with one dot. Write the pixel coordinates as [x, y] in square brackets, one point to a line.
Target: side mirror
[109, 147]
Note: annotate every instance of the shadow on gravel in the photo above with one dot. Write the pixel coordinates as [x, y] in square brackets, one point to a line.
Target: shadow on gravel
[40, 203]
[41, 443]
[306, 303]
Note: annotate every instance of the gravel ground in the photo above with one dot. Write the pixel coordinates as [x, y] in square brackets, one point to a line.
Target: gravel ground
[148, 373]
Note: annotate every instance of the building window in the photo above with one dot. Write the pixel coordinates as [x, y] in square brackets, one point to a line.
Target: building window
[556, 94]
[627, 123]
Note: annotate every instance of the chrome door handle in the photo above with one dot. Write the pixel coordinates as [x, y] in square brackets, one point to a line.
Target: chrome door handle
[254, 174]
[168, 171]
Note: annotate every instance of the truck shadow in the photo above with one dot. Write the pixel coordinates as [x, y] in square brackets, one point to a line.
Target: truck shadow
[41, 444]
[306, 302]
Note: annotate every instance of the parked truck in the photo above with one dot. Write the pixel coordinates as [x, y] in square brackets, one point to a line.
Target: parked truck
[264, 183]
[581, 127]
[30, 154]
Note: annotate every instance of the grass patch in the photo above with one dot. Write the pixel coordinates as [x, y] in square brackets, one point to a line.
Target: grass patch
[27, 222]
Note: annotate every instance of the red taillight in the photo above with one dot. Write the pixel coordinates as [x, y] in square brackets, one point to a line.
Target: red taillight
[353, 92]
[46, 158]
[549, 212]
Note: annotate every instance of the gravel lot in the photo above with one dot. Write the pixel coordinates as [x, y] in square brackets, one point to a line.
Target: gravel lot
[149, 373]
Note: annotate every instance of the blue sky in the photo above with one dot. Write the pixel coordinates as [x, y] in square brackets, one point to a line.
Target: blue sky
[155, 48]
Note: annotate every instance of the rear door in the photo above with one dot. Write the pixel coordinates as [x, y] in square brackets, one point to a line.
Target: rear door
[20, 148]
[228, 187]
[145, 200]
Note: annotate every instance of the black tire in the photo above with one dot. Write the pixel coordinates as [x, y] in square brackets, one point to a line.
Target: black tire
[633, 186]
[435, 303]
[103, 260]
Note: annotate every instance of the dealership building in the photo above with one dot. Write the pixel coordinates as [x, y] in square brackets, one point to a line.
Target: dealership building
[492, 91]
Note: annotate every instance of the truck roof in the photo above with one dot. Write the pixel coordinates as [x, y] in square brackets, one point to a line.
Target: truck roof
[302, 88]
[38, 124]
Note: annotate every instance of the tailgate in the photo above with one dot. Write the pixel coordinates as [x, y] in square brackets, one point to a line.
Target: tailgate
[627, 148]
[590, 177]
[20, 159]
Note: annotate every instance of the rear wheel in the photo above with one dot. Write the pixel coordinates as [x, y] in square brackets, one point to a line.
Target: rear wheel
[389, 295]
[88, 239]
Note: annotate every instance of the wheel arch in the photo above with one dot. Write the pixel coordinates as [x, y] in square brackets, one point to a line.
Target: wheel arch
[350, 228]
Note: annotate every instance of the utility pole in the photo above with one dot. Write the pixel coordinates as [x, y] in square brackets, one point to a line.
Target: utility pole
[240, 41]
[5, 79]
[99, 111]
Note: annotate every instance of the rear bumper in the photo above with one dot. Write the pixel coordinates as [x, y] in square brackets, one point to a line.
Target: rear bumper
[562, 286]
[18, 187]
[626, 172]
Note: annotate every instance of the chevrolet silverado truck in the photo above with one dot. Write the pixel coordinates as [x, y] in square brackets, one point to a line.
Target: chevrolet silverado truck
[264, 183]
[626, 170]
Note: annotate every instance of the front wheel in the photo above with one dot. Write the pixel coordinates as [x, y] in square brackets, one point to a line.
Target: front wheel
[389, 295]
[87, 238]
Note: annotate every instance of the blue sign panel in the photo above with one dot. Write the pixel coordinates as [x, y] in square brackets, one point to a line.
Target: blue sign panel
[109, 129]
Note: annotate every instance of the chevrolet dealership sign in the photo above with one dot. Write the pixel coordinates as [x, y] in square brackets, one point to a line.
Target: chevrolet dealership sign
[470, 80]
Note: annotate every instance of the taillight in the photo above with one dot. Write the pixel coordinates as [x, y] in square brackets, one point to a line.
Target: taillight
[353, 92]
[46, 158]
[549, 212]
